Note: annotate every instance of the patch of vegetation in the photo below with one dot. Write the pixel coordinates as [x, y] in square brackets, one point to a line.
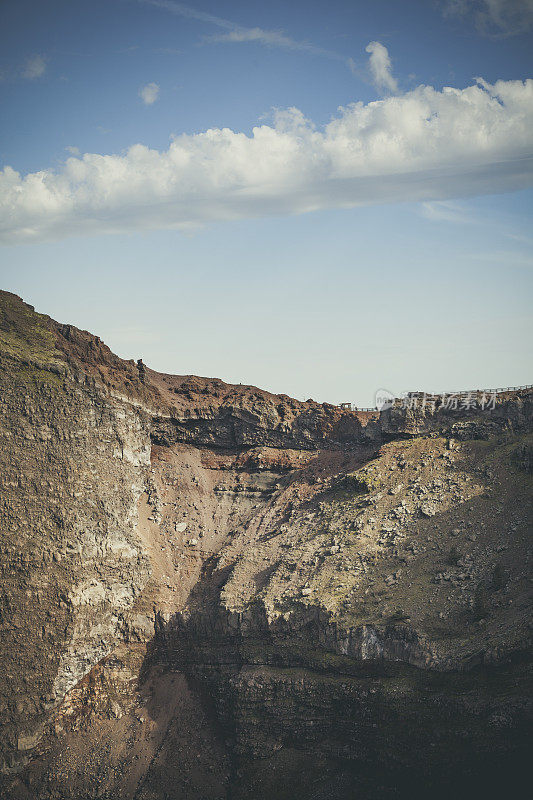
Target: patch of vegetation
[28, 374]
[27, 345]
[365, 480]
[26, 335]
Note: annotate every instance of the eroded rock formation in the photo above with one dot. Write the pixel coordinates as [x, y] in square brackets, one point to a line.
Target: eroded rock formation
[210, 591]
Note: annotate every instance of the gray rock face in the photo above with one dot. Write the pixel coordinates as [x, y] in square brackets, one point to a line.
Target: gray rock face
[508, 411]
[73, 467]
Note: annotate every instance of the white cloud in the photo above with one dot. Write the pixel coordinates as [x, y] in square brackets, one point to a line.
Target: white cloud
[268, 38]
[74, 151]
[494, 17]
[421, 146]
[149, 93]
[35, 67]
[271, 38]
[380, 67]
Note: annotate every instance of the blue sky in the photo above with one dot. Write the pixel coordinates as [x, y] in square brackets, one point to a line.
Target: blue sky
[325, 252]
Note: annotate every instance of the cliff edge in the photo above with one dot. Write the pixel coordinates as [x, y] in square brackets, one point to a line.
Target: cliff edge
[212, 591]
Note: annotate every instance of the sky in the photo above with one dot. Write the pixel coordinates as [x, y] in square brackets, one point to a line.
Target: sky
[321, 199]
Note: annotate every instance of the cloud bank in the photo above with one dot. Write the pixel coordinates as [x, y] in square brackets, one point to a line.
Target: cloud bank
[423, 145]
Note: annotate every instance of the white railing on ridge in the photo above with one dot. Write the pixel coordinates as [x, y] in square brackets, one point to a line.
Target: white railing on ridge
[460, 394]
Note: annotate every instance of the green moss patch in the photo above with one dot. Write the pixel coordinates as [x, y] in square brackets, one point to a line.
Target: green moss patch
[365, 480]
[27, 344]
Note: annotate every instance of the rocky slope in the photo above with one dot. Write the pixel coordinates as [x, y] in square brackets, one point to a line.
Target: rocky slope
[210, 591]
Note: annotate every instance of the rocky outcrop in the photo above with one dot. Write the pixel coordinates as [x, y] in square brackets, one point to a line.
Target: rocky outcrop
[214, 414]
[476, 416]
